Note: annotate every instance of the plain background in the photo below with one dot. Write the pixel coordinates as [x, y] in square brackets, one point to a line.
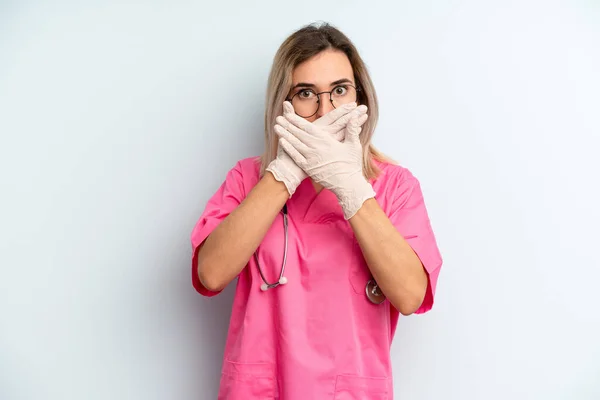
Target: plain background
[118, 120]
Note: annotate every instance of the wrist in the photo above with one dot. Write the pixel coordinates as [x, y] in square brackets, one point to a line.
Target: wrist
[352, 198]
[353, 187]
[277, 185]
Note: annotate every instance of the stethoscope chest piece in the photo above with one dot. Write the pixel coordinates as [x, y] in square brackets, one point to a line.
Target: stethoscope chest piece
[374, 294]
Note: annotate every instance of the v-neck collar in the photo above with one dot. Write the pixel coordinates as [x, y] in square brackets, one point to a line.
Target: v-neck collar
[322, 207]
[312, 207]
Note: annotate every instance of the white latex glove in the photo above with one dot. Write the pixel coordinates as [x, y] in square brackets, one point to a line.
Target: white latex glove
[335, 122]
[284, 169]
[335, 165]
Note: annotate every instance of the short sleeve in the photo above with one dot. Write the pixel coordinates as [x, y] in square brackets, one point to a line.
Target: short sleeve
[409, 216]
[229, 195]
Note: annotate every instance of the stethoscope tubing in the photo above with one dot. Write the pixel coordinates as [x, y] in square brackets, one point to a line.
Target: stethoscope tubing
[285, 250]
[372, 290]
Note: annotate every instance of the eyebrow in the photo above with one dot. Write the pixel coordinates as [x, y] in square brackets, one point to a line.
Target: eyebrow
[312, 85]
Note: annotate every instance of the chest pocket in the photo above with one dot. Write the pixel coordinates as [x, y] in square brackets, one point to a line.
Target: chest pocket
[320, 256]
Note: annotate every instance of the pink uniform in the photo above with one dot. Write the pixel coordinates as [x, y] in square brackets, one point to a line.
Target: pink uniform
[318, 336]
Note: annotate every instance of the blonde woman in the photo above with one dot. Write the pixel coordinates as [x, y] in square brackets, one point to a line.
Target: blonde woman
[329, 241]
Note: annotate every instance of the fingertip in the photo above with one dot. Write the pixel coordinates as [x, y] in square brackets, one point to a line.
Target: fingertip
[288, 107]
[284, 144]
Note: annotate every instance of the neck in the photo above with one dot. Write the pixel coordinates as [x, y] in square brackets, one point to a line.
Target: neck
[318, 187]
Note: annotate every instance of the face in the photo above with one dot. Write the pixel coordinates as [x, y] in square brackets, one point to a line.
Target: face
[328, 71]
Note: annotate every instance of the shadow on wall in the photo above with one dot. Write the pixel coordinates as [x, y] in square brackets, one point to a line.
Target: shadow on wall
[198, 330]
[222, 143]
[211, 321]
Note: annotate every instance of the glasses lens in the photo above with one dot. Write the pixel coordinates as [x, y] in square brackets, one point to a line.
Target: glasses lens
[343, 94]
[306, 103]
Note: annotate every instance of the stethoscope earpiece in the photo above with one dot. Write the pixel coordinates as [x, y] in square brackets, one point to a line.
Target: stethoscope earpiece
[282, 281]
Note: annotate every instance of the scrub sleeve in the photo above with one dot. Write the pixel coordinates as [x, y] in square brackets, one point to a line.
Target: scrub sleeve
[229, 195]
[409, 216]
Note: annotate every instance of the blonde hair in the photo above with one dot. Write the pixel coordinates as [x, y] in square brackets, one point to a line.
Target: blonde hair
[299, 47]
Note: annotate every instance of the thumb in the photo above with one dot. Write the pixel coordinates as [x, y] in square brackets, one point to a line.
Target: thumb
[352, 131]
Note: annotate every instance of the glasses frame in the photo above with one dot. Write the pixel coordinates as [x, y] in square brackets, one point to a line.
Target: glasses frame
[357, 89]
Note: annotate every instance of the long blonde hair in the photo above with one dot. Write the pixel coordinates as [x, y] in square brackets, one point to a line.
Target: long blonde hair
[299, 47]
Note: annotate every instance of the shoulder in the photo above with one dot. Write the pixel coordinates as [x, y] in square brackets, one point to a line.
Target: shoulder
[393, 176]
[397, 188]
[244, 174]
[248, 167]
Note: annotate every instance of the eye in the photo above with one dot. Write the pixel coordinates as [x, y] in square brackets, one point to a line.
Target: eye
[306, 94]
[339, 91]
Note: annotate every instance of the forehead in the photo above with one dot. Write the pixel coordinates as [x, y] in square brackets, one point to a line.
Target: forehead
[324, 68]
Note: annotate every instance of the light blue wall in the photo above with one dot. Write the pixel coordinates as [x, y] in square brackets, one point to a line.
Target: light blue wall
[118, 121]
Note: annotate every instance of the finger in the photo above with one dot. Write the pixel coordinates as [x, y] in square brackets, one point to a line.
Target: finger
[341, 122]
[352, 131]
[301, 123]
[294, 154]
[334, 114]
[290, 138]
[362, 119]
[301, 134]
[339, 135]
[288, 108]
[339, 130]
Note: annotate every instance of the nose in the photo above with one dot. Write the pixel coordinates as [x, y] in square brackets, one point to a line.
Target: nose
[324, 105]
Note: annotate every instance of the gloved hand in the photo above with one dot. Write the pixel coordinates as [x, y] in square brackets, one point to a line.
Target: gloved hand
[284, 169]
[335, 165]
[335, 122]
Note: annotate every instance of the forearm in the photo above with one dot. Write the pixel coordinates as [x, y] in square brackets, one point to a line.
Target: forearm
[392, 262]
[228, 248]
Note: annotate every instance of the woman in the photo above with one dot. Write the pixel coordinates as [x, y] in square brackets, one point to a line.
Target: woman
[330, 242]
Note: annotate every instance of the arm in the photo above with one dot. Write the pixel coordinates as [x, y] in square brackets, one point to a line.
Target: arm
[228, 248]
[338, 166]
[394, 265]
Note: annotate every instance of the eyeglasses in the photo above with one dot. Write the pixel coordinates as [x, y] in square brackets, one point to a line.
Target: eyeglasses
[306, 101]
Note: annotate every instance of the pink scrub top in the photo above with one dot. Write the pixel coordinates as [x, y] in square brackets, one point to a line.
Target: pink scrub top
[318, 336]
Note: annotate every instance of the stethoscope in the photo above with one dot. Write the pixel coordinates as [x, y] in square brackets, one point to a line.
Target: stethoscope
[282, 279]
[372, 290]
